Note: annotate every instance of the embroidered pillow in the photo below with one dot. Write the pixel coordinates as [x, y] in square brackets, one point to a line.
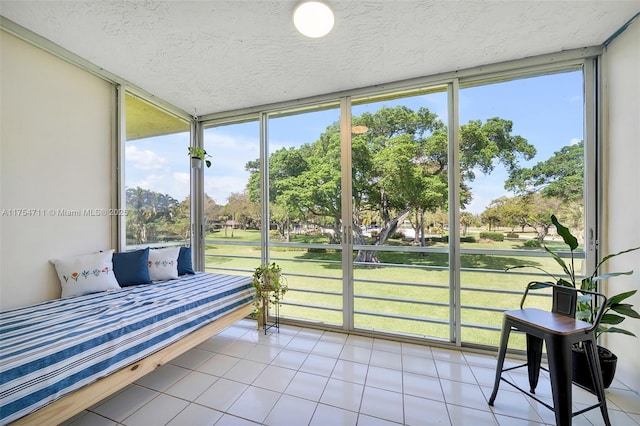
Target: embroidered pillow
[91, 273]
[185, 266]
[163, 263]
[132, 267]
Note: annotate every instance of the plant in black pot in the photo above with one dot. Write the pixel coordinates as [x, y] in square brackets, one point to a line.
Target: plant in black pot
[615, 310]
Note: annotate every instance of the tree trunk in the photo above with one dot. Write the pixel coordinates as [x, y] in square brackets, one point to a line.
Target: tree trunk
[367, 256]
[542, 231]
[423, 241]
[370, 256]
[336, 237]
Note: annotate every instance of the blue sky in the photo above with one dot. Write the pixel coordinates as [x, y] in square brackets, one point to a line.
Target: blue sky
[546, 110]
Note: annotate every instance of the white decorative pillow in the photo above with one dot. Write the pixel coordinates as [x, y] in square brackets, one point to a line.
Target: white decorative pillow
[163, 264]
[91, 273]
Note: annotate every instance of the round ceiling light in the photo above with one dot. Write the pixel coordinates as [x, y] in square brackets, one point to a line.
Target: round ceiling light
[313, 19]
[359, 130]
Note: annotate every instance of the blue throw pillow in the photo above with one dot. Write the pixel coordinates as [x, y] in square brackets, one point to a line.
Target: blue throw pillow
[132, 267]
[184, 261]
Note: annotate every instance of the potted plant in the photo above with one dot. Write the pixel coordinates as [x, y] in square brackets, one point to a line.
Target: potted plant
[615, 311]
[271, 286]
[198, 155]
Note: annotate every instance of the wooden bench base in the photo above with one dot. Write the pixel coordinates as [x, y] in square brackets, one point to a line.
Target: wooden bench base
[87, 396]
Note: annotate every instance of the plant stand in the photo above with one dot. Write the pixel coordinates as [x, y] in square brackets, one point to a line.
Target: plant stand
[264, 314]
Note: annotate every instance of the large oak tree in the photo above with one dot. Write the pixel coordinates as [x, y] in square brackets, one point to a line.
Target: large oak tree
[400, 166]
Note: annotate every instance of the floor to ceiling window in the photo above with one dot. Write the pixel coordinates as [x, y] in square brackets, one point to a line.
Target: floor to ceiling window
[305, 211]
[392, 254]
[522, 160]
[232, 198]
[156, 171]
[400, 213]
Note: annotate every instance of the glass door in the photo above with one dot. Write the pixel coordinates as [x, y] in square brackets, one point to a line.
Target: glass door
[305, 211]
[400, 214]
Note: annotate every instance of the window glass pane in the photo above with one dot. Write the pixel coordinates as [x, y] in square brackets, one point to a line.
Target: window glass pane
[522, 151]
[156, 175]
[232, 198]
[400, 211]
[305, 212]
[520, 160]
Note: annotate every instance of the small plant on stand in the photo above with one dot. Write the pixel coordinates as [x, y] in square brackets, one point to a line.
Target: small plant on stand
[270, 288]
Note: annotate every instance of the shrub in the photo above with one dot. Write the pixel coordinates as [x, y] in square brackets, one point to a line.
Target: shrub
[274, 234]
[534, 243]
[316, 250]
[468, 239]
[512, 235]
[397, 236]
[493, 236]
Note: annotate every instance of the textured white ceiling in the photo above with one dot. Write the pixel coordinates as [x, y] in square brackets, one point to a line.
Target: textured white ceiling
[219, 55]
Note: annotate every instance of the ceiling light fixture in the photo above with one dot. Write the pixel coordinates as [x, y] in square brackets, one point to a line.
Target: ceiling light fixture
[358, 130]
[313, 19]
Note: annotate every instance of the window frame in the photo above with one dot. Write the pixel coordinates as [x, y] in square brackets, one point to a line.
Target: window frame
[587, 59]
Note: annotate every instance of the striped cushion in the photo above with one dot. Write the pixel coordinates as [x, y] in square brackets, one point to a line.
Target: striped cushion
[53, 348]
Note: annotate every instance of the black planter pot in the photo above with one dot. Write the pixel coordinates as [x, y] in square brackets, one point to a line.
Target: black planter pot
[581, 374]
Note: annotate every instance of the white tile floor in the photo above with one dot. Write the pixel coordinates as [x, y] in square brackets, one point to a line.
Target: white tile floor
[309, 377]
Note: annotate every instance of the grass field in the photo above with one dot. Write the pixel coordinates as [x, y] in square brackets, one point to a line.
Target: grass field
[407, 293]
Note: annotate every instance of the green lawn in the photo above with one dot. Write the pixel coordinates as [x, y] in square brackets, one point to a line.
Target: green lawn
[412, 289]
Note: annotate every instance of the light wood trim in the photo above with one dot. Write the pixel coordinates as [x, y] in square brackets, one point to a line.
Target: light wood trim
[551, 322]
[73, 403]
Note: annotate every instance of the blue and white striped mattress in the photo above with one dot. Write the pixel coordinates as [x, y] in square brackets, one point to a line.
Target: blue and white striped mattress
[53, 348]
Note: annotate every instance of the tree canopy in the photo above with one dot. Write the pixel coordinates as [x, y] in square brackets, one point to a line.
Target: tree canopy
[400, 165]
[552, 186]
[399, 173]
[559, 176]
[152, 216]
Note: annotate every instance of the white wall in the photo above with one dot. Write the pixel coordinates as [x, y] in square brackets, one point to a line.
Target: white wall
[55, 153]
[622, 188]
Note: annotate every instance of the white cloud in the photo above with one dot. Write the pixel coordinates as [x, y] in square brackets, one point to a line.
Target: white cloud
[575, 141]
[143, 159]
[178, 185]
[175, 184]
[220, 187]
[480, 202]
[230, 153]
[182, 178]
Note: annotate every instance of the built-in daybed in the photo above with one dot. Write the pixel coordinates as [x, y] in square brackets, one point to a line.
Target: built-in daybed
[62, 356]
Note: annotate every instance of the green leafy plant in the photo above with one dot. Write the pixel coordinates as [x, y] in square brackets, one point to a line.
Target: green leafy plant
[200, 153]
[270, 285]
[615, 311]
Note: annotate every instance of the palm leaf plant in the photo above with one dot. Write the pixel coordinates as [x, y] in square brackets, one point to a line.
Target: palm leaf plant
[616, 309]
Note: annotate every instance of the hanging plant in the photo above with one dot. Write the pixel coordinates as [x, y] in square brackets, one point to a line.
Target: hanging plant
[199, 153]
